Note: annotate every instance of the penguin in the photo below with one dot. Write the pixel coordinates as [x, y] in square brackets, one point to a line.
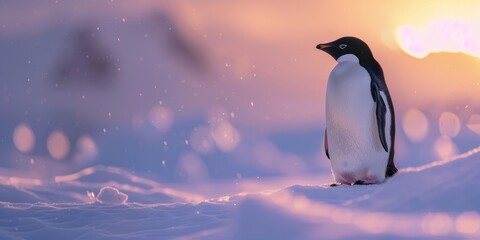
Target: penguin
[359, 137]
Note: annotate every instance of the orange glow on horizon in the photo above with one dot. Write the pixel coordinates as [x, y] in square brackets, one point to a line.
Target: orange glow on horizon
[442, 35]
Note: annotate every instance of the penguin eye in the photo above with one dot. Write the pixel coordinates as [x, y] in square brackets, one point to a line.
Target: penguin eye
[342, 46]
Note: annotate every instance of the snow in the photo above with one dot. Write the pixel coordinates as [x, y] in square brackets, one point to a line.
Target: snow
[440, 199]
[111, 195]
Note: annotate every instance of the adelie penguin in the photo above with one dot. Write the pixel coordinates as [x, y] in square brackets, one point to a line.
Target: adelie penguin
[360, 119]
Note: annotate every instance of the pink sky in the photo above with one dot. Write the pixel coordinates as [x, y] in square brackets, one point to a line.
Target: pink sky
[265, 51]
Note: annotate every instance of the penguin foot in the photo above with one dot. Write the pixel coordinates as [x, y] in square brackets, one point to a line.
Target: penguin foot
[360, 182]
[335, 184]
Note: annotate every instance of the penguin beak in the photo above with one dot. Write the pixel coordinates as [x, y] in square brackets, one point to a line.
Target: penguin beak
[323, 46]
[330, 48]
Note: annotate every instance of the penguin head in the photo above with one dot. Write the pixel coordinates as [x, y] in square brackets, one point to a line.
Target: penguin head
[347, 45]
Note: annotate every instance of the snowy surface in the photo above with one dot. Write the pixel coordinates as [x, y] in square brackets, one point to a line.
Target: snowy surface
[440, 199]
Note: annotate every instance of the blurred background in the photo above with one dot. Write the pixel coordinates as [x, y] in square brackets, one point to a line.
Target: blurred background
[211, 91]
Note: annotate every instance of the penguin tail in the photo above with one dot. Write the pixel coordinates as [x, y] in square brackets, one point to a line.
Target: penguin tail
[391, 170]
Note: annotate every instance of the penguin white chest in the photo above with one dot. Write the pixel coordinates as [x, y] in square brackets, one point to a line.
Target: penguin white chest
[354, 145]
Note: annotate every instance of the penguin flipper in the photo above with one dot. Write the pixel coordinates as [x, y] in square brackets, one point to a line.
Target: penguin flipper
[381, 110]
[325, 143]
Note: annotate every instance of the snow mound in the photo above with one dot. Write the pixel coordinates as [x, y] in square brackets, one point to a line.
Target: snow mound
[430, 187]
[440, 199]
[112, 196]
